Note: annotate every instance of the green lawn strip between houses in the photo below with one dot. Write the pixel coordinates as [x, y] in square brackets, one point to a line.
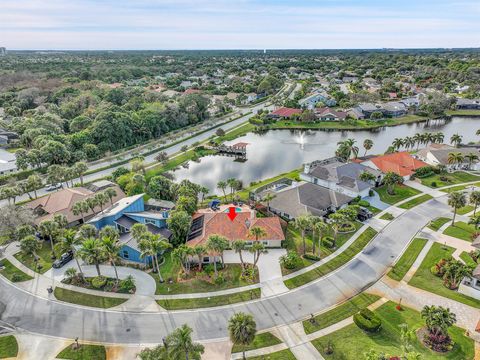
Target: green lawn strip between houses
[465, 210]
[460, 187]
[441, 180]
[387, 216]
[44, 258]
[8, 347]
[461, 230]
[416, 201]
[261, 340]
[335, 263]
[407, 259]
[351, 342]
[467, 259]
[437, 223]
[402, 192]
[279, 355]
[12, 273]
[84, 352]
[80, 298]
[339, 313]
[424, 279]
[204, 302]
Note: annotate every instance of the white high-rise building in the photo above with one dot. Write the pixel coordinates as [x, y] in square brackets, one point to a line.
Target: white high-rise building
[3, 51]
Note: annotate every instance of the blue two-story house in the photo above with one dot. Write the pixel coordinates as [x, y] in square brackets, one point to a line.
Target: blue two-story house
[123, 215]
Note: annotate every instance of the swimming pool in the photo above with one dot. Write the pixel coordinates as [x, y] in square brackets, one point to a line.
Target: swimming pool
[237, 209]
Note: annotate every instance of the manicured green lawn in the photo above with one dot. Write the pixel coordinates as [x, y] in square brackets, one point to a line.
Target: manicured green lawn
[351, 342]
[437, 223]
[197, 283]
[402, 192]
[460, 187]
[279, 355]
[44, 258]
[457, 177]
[13, 273]
[79, 298]
[387, 216]
[84, 352]
[416, 201]
[467, 259]
[8, 346]
[461, 231]
[339, 313]
[465, 210]
[424, 279]
[261, 340]
[179, 304]
[335, 263]
[407, 259]
[463, 112]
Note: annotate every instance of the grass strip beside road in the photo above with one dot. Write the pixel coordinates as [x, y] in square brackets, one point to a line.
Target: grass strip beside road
[407, 259]
[437, 223]
[387, 216]
[212, 301]
[335, 263]
[401, 192]
[79, 298]
[339, 313]
[416, 201]
[84, 352]
[8, 347]
[279, 355]
[12, 273]
[461, 230]
[260, 341]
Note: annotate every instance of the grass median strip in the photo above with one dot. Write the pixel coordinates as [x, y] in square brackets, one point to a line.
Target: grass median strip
[408, 258]
[438, 223]
[339, 313]
[260, 341]
[79, 298]
[8, 347]
[279, 355]
[84, 352]
[416, 201]
[335, 263]
[12, 273]
[212, 301]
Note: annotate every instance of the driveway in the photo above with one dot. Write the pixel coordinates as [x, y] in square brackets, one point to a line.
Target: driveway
[376, 202]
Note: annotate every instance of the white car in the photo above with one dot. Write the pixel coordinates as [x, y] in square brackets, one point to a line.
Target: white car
[53, 187]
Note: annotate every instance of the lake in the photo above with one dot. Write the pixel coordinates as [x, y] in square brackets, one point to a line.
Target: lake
[279, 151]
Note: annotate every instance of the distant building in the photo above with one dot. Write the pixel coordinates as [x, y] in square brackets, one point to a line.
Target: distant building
[401, 163]
[437, 154]
[310, 101]
[8, 162]
[3, 51]
[327, 114]
[367, 109]
[284, 113]
[468, 104]
[394, 109]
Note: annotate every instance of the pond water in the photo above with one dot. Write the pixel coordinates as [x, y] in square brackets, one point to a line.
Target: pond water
[279, 151]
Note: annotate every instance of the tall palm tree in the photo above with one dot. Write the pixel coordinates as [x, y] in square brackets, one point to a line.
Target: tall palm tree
[111, 248]
[29, 245]
[456, 200]
[69, 242]
[367, 145]
[475, 200]
[199, 251]
[397, 143]
[257, 249]
[409, 142]
[93, 252]
[337, 220]
[232, 183]
[302, 223]
[79, 209]
[267, 198]
[80, 168]
[390, 180]
[50, 229]
[455, 158]
[180, 256]
[223, 186]
[110, 193]
[347, 149]
[471, 157]
[109, 231]
[181, 345]
[101, 199]
[158, 244]
[242, 330]
[238, 246]
[456, 139]
[217, 244]
[87, 231]
[204, 191]
[257, 232]
[439, 137]
[92, 203]
[418, 139]
[318, 227]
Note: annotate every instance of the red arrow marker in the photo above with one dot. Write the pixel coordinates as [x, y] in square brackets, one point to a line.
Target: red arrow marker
[232, 213]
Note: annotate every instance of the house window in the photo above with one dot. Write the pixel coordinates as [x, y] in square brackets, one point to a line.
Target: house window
[265, 243]
[125, 254]
[248, 243]
[149, 221]
[206, 259]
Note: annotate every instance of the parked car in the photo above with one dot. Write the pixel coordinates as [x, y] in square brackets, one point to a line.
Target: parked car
[65, 258]
[53, 187]
[364, 214]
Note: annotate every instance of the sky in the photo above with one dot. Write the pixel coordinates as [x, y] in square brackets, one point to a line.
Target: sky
[238, 24]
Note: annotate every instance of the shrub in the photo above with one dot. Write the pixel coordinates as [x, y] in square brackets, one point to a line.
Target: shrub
[209, 269]
[434, 184]
[371, 193]
[220, 279]
[128, 284]
[366, 320]
[16, 277]
[311, 256]
[364, 203]
[99, 281]
[291, 260]
[439, 268]
[425, 171]
[328, 241]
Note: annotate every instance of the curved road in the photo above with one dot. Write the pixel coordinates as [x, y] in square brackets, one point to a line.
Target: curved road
[53, 318]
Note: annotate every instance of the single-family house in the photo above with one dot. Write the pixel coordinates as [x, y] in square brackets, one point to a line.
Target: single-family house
[468, 104]
[285, 113]
[8, 162]
[340, 176]
[401, 163]
[327, 114]
[438, 154]
[410, 102]
[470, 286]
[311, 101]
[394, 109]
[367, 109]
[125, 213]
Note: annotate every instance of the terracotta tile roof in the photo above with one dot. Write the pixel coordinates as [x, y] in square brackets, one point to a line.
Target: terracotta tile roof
[220, 224]
[401, 163]
[286, 112]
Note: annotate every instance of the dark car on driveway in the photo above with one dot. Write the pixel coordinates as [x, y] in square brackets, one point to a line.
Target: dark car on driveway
[65, 258]
[364, 214]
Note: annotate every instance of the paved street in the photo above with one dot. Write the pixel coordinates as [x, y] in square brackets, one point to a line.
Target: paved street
[25, 311]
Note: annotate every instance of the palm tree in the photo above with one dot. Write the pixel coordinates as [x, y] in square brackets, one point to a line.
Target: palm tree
[223, 186]
[233, 184]
[80, 168]
[397, 143]
[455, 158]
[456, 139]
[50, 229]
[217, 244]
[257, 232]
[438, 320]
[302, 223]
[313, 221]
[29, 245]
[390, 180]
[418, 139]
[92, 252]
[204, 191]
[257, 249]
[199, 251]
[367, 145]
[475, 220]
[409, 142]
[158, 244]
[337, 220]
[347, 149]
[439, 137]
[101, 200]
[69, 242]
[367, 176]
[109, 231]
[87, 231]
[180, 256]
[471, 157]
[181, 345]
[267, 198]
[456, 200]
[110, 193]
[238, 246]
[475, 200]
[111, 248]
[138, 231]
[242, 329]
[80, 208]
[319, 227]
[92, 203]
